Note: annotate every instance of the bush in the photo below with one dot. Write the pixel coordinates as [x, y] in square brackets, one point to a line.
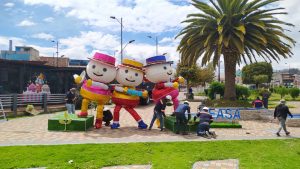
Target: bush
[282, 91]
[294, 92]
[216, 88]
[227, 103]
[242, 92]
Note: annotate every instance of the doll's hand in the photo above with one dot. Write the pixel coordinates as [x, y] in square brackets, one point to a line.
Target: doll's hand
[175, 85]
[145, 94]
[125, 89]
[119, 89]
[180, 80]
[77, 79]
[89, 83]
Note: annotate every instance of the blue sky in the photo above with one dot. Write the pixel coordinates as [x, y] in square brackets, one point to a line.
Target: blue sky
[83, 27]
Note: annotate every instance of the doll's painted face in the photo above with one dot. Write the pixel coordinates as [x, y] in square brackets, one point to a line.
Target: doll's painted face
[159, 73]
[129, 77]
[100, 72]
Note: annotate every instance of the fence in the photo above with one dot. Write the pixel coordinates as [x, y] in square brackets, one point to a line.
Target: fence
[13, 101]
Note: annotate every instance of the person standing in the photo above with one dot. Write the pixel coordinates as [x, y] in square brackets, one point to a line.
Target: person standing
[70, 101]
[159, 112]
[181, 121]
[281, 111]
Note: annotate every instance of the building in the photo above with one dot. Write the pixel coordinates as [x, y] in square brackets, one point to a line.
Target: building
[55, 61]
[285, 79]
[20, 53]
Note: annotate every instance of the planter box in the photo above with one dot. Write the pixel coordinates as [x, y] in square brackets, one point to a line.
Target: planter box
[170, 123]
[77, 124]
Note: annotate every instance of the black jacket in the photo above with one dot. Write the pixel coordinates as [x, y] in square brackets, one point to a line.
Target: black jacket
[282, 111]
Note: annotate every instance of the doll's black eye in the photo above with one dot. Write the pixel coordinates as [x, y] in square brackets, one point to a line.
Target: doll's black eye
[126, 71]
[104, 69]
[165, 67]
[136, 74]
[94, 66]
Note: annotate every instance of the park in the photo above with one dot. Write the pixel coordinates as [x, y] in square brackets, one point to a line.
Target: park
[221, 90]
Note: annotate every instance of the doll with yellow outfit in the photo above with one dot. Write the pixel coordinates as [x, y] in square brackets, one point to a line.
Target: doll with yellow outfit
[101, 70]
[129, 75]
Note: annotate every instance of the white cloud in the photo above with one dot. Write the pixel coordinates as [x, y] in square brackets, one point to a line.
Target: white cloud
[26, 23]
[44, 36]
[142, 16]
[48, 19]
[9, 5]
[4, 42]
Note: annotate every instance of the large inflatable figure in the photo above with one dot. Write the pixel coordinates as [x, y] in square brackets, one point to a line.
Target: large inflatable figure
[160, 72]
[101, 70]
[129, 75]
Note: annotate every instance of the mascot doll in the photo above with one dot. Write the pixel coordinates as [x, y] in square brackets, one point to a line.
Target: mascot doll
[101, 70]
[129, 74]
[160, 72]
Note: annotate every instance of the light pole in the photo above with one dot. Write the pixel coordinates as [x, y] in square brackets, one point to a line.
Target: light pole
[165, 53]
[156, 43]
[56, 51]
[121, 22]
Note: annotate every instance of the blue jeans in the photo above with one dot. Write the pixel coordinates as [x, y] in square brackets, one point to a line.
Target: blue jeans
[203, 128]
[159, 116]
[70, 108]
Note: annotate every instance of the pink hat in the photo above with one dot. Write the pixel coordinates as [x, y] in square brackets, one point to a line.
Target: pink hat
[103, 58]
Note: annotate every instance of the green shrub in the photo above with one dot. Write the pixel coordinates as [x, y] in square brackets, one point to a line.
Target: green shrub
[242, 92]
[227, 103]
[216, 88]
[282, 91]
[294, 92]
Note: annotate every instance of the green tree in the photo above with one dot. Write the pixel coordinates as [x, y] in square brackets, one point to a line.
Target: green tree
[238, 30]
[257, 73]
[204, 75]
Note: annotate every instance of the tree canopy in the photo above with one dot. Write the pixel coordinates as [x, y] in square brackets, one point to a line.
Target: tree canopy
[257, 73]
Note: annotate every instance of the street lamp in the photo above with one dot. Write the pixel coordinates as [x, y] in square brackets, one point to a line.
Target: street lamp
[56, 51]
[164, 54]
[156, 43]
[131, 41]
[121, 22]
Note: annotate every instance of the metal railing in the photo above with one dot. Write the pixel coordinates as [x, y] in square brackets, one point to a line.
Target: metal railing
[13, 101]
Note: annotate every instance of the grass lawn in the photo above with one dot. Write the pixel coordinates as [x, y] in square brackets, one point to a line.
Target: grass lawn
[252, 154]
[275, 97]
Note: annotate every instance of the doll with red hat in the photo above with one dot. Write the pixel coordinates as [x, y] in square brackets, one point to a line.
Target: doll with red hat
[159, 71]
[101, 70]
[129, 74]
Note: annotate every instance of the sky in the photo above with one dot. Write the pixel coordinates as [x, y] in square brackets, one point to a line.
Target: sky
[83, 27]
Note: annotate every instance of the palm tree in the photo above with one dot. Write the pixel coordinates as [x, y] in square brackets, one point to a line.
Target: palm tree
[238, 30]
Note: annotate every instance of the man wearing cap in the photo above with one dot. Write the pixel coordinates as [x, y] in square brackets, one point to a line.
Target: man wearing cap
[159, 71]
[181, 121]
[281, 111]
[204, 123]
[70, 101]
[101, 70]
[129, 74]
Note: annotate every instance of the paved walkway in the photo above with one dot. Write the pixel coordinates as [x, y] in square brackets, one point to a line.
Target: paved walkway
[217, 164]
[33, 131]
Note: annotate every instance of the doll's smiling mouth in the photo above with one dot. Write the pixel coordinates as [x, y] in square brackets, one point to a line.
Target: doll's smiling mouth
[97, 74]
[130, 80]
[169, 73]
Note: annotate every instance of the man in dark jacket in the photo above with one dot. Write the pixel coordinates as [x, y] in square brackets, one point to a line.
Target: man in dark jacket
[281, 112]
[204, 123]
[159, 112]
[181, 121]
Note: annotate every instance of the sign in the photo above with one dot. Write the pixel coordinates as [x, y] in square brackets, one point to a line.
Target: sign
[225, 113]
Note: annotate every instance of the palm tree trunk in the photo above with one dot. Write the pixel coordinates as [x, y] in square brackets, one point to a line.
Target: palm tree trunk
[230, 68]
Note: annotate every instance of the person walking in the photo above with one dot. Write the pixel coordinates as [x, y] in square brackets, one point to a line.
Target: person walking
[159, 112]
[70, 101]
[181, 121]
[281, 111]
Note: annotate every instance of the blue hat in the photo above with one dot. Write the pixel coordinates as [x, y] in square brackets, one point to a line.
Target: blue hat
[157, 60]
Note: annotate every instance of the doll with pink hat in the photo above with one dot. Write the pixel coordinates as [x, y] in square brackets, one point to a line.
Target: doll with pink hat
[101, 70]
